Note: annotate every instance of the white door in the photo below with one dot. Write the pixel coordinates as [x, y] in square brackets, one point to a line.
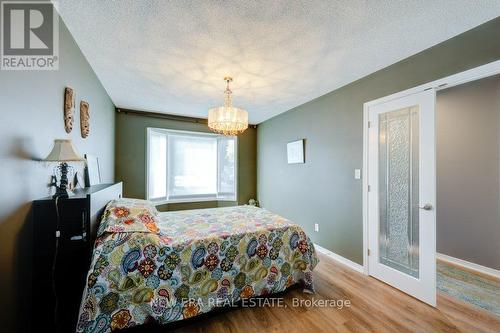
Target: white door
[402, 194]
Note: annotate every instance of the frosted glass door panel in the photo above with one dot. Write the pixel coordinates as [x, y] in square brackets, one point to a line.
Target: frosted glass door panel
[398, 142]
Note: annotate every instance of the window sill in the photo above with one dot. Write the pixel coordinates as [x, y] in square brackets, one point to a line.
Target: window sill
[190, 200]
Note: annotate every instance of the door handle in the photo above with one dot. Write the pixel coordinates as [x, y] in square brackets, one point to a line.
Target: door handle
[426, 207]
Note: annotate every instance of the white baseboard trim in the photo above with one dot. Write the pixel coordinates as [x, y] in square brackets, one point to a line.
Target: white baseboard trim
[469, 265]
[351, 264]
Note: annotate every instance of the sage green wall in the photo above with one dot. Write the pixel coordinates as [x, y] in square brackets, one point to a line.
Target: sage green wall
[323, 190]
[468, 171]
[130, 157]
[31, 117]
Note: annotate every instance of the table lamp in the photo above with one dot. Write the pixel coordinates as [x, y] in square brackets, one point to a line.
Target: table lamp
[63, 152]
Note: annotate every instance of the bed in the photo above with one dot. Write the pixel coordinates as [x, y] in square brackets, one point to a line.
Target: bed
[150, 267]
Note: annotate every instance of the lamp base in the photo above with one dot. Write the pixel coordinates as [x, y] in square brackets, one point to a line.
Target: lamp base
[62, 190]
[62, 194]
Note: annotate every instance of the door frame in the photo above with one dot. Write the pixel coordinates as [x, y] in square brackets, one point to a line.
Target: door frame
[477, 73]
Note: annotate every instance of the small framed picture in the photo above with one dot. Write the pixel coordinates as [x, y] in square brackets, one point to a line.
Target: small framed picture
[92, 172]
[295, 152]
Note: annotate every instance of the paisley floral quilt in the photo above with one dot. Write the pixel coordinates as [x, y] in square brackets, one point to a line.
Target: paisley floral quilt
[199, 260]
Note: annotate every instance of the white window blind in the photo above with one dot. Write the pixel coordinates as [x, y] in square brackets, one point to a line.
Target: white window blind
[158, 164]
[188, 166]
[226, 168]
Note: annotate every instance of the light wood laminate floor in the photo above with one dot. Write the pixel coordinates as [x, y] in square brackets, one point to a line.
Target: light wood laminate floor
[376, 307]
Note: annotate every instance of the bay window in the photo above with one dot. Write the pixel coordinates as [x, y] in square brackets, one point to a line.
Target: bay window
[190, 166]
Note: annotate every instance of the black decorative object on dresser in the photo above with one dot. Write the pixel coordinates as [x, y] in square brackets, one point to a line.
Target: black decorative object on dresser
[64, 231]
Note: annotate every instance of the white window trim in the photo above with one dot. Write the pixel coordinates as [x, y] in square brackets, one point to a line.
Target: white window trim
[165, 200]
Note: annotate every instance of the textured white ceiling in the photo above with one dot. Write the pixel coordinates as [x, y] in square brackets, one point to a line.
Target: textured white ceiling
[171, 56]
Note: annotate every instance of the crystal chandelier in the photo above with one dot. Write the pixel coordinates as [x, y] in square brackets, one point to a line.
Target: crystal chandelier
[227, 119]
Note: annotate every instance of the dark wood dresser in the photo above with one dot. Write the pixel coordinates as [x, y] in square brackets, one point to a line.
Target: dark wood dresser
[79, 218]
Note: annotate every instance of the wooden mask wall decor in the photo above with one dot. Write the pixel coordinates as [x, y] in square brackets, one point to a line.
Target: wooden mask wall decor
[69, 107]
[84, 119]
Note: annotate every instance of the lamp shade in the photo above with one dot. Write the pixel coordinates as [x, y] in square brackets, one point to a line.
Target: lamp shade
[63, 151]
[227, 120]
